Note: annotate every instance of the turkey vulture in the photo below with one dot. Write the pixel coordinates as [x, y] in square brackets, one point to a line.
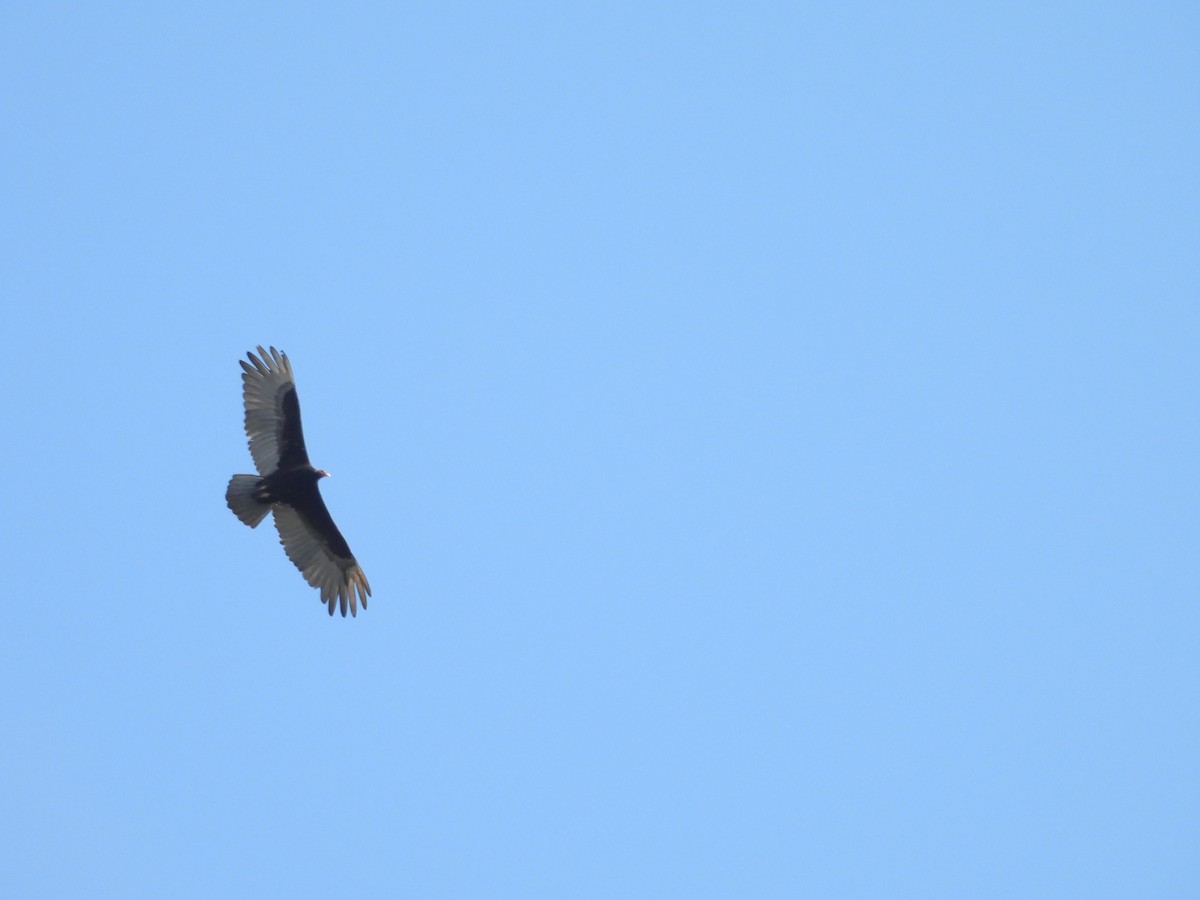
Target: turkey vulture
[288, 485]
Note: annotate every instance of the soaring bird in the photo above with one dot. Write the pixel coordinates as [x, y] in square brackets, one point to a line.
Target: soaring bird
[286, 485]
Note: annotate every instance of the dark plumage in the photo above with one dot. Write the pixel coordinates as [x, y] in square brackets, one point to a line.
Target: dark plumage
[286, 485]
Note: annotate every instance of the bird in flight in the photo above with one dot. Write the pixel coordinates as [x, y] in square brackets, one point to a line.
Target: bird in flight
[286, 485]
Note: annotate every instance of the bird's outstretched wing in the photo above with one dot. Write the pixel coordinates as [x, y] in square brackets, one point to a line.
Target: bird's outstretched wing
[315, 545]
[272, 412]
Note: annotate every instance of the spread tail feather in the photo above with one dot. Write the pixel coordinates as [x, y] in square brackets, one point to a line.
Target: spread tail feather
[240, 498]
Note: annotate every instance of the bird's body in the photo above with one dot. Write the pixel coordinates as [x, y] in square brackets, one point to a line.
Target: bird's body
[287, 485]
[295, 486]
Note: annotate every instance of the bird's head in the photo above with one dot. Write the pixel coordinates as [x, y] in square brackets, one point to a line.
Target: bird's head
[321, 473]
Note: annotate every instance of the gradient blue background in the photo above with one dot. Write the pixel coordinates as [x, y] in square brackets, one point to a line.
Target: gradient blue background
[770, 432]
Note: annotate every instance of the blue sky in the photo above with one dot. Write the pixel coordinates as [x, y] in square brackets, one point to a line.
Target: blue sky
[770, 434]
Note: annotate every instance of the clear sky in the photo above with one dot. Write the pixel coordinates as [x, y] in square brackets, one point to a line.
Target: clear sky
[770, 432]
